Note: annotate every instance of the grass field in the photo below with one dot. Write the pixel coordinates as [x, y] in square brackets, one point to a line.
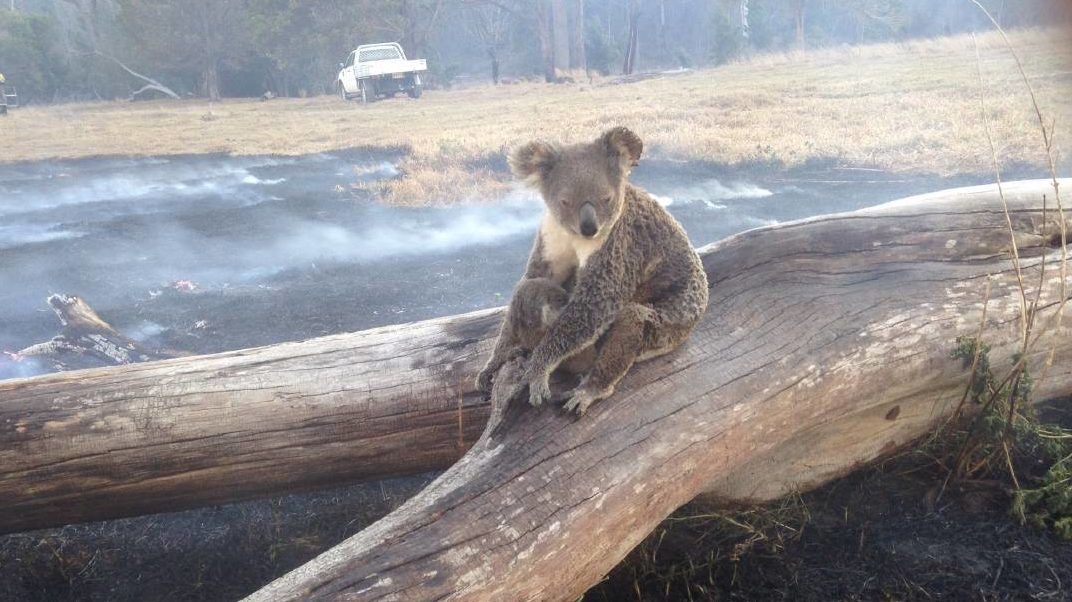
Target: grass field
[904, 107]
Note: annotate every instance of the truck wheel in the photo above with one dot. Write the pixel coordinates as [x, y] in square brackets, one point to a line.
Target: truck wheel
[415, 91]
[341, 91]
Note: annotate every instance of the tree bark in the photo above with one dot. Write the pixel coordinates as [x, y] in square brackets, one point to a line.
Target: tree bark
[827, 345]
[810, 324]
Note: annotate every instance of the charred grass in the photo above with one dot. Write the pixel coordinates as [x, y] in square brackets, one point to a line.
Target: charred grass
[897, 530]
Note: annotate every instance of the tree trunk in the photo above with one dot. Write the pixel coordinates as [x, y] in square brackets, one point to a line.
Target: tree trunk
[171, 435]
[560, 36]
[210, 81]
[827, 345]
[631, 49]
[798, 19]
[578, 60]
[544, 33]
[494, 56]
[663, 45]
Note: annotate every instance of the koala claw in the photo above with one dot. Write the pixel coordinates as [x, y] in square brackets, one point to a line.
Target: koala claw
[582, 399]
[539, 391]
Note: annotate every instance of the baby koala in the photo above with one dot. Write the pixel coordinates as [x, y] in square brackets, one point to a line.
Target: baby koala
[612, 278]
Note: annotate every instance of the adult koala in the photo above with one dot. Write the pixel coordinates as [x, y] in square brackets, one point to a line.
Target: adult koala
[612, 278]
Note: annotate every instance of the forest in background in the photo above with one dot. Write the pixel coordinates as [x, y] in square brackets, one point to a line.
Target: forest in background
[77, 50]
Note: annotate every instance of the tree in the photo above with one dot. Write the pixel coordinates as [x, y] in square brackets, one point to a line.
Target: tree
[276, 27]
[631, 49]
[560, 39]
[27, 57]
[544, 33]
[202, 36]
[489, 22]
[578, 58]
[412, 23]
[798, 22]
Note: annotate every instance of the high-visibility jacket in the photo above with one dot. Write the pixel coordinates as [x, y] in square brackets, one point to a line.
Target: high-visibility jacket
[2, 78]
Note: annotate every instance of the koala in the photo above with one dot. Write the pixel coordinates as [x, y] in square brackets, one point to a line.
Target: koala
[535, 305]
[612, 278]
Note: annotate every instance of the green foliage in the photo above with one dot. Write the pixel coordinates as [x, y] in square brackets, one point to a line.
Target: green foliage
[603, 54]
[26, 59]
[982, 379]
[1048, 503]
[197, 37]
[727, 39]
[439, 75]
[1007, 436]
[682, 57]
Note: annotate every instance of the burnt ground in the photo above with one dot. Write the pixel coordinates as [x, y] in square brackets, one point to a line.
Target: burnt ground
[882, 533]
[209, 253]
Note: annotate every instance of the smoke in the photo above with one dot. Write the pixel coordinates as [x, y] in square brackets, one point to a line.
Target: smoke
[116, 231]
[379, 171]
[15, 235]
[143, 330]
[152, 181]
[380, 234]
[16, 366]
[710, 191]
[252, 179]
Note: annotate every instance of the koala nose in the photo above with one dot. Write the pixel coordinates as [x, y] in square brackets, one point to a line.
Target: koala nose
[589, 222]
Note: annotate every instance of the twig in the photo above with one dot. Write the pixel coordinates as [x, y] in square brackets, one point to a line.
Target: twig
[1047, 140]
[1001, 193]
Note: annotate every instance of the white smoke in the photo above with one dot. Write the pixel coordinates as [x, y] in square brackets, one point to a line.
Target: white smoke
[710, 191]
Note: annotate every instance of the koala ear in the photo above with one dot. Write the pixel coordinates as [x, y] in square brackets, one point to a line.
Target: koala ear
[622, 143]
[532, 161]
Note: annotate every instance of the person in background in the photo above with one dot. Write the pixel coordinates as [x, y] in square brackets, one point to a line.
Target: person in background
[3, 96]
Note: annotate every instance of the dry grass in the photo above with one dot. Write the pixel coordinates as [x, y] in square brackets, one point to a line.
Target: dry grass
[903, 107]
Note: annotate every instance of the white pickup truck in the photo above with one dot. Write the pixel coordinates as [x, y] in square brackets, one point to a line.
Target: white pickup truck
[376, 70]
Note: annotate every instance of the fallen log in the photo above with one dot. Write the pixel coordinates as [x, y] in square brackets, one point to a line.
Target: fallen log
[189, 432]
[181, 433]
[87, 341]
[827, 344]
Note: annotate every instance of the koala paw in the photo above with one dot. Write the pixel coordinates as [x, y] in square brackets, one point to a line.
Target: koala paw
[539, 390]
[517, 353]
[582, 399]
[483, 380]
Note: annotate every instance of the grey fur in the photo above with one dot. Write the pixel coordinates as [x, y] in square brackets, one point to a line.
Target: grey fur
[634, 291]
